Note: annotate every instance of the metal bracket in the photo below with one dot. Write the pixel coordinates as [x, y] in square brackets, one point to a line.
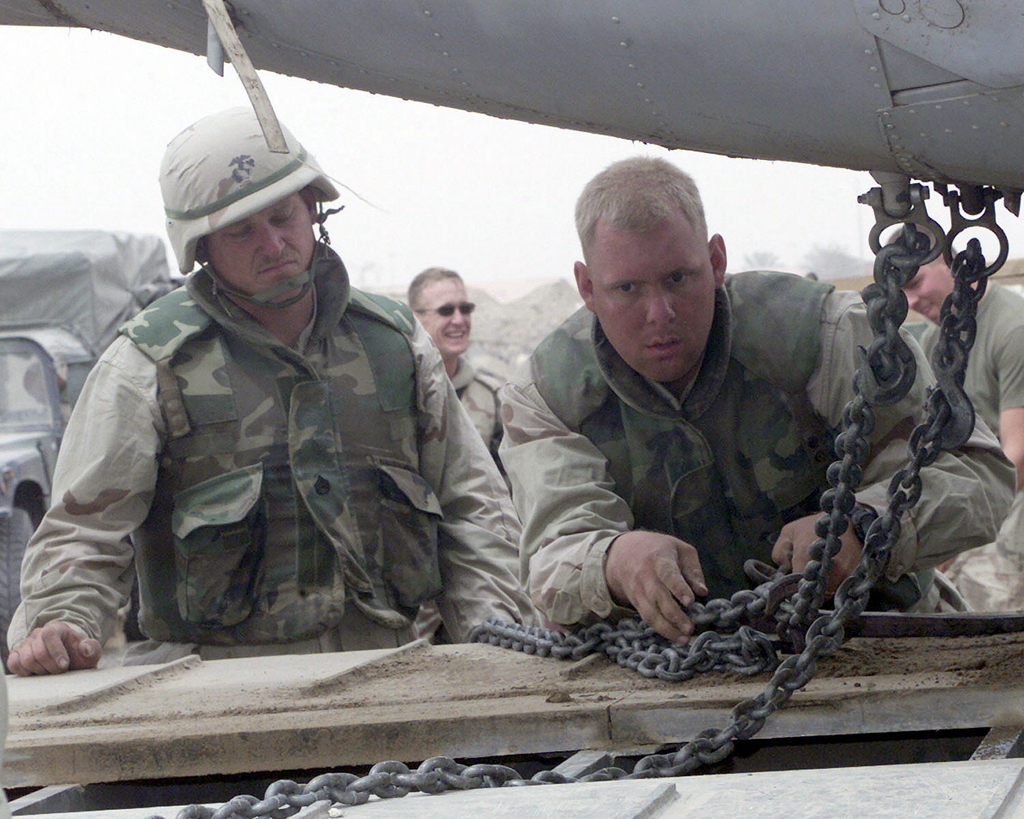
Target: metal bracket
[898, 202]
[980, 203]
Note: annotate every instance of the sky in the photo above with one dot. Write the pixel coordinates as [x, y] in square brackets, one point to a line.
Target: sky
[86, 117]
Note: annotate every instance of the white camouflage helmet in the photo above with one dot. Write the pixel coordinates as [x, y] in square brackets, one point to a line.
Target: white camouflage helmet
[220, 171]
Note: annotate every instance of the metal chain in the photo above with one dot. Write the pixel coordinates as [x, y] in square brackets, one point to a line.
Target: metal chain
[887, 371]
[636, 646]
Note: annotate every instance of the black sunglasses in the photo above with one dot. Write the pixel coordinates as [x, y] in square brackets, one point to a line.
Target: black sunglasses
[446, 310]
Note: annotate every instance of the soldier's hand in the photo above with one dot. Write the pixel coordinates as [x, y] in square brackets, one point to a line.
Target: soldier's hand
[658, 575]
[793, 549]
[53, 649]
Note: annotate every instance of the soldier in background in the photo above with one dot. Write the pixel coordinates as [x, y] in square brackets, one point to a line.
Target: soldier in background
[990, 578]
[279, 457]
[438, 298]
[682, 422]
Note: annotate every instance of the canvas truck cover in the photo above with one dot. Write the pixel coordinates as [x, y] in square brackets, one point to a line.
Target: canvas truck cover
[88, 281]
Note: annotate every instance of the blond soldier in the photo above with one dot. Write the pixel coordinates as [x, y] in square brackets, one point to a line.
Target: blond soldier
[279, 458]
[681, 423]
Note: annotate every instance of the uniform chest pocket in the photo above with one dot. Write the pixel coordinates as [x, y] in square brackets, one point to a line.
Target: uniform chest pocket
[409, 515]
[219, 529]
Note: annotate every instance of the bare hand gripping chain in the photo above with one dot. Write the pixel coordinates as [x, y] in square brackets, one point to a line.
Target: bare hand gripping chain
[789, 604]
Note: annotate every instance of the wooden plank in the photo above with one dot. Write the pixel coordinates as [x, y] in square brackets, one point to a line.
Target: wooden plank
[241, 716]
[468, 701]
[1002, 742]
[829, 708]
[144, 676]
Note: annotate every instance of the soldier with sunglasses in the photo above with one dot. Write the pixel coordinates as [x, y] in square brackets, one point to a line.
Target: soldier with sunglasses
[438, 298]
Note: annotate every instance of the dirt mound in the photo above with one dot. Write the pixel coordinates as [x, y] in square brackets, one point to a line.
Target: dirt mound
[505, 333]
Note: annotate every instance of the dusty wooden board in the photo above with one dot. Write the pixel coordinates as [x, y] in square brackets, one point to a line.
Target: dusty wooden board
[327, 711]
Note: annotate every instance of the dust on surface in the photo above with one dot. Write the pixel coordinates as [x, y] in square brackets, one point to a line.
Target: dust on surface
[995, 661]
[453, 675]
[470, 679]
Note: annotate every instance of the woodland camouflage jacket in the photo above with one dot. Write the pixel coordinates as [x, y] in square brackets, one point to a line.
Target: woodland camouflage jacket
[265, 490]
[594, 450]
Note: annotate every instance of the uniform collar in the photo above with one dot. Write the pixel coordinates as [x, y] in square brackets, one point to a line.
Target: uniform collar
[464, 375]
[332, 293]
[651, 398]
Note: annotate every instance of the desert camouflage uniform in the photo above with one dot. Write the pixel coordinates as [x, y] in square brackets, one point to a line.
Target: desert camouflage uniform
[991, 577]
[478, 392]
[278, 501]
[595, 450]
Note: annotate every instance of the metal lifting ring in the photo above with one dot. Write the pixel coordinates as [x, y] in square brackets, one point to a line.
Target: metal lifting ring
[959, 222]
[915, 213]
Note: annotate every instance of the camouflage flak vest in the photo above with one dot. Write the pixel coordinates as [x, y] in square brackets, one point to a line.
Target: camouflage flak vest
[283, 492]
[752, 458]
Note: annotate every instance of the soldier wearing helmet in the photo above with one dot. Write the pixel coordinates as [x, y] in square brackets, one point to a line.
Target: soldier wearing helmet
[277, 457]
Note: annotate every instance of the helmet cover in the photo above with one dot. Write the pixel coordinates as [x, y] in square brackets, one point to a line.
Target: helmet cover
[220, 171]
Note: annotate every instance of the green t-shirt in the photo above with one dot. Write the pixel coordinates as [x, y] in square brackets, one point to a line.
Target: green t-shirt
[995, 365]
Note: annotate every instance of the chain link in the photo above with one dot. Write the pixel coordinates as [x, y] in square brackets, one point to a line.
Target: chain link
[732, 632]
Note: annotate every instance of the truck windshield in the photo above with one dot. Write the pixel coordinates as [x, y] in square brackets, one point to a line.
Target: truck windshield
[24, 393]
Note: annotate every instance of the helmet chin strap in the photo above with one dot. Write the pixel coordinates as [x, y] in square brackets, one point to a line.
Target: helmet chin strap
[265, 298]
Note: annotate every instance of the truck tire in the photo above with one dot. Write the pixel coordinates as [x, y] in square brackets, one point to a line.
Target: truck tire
[15, 530]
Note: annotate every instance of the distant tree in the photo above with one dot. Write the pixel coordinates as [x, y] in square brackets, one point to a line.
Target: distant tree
[832, 262]
[761, 260]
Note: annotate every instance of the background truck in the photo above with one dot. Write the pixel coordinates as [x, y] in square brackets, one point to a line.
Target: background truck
[62, 297]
